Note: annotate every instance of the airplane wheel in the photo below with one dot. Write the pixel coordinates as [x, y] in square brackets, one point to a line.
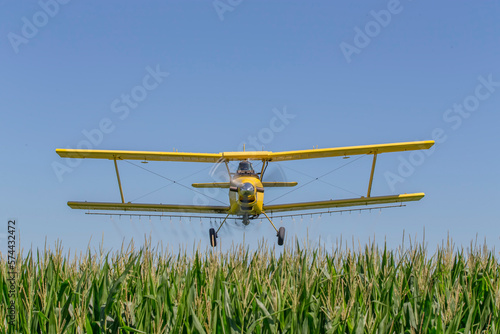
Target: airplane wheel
[281, 236]
[213, 237]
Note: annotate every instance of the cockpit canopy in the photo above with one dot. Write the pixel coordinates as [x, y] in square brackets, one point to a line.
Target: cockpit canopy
[245, 167]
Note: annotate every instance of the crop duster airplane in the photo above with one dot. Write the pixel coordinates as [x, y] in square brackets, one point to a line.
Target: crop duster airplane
[246, 187]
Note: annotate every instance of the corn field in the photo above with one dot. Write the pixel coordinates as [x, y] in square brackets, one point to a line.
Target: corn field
[293, 290]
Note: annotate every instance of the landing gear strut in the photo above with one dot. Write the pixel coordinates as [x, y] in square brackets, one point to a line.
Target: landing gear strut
[279, 233]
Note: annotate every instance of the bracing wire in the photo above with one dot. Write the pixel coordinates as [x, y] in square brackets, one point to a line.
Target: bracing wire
[167, 185]
[173, 181]
[317, 178]
[326, 182]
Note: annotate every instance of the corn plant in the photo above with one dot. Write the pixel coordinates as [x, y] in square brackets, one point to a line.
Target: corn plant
[297, 290]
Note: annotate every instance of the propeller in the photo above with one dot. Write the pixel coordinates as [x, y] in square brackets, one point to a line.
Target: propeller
[275, 173]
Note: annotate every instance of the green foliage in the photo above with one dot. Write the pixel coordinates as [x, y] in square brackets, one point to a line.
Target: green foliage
[293, 291]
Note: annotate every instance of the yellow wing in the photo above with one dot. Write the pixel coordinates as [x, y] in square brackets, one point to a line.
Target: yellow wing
[328, 152]
[278, 184]
[350, 150]
[138, 155]
[251, 155]
[343, 202]
[148, 207]
[212, 185]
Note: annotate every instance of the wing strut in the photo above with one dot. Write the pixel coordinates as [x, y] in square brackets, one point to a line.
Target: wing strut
[264, 167]
[119, 182]
[228, 171]
[371, 174]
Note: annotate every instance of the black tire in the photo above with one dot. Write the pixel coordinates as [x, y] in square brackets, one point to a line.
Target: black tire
[213, 237]
[281, 236]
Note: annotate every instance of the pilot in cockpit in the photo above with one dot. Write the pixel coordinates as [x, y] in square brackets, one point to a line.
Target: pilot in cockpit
[245, 167]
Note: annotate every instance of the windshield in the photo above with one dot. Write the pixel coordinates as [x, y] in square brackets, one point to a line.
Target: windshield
[245, 166]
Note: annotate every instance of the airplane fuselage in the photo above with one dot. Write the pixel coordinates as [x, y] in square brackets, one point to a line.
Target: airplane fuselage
[246, 196]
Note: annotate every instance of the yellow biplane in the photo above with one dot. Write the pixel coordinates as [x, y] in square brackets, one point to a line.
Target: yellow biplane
[246, 187]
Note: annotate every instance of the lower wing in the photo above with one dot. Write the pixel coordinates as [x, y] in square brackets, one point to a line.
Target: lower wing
[148, 207]
[343, 203]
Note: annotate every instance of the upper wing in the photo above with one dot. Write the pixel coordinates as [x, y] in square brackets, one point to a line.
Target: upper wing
[148, 207]
[350, 150]
[139, 155]
[343, 202]
[251, 155]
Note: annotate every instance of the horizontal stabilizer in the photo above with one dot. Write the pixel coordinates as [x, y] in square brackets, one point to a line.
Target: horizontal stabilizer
[279, 184]
[226, 184]
[211, 185]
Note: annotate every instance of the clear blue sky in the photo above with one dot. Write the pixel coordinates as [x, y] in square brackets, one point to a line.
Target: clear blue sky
[350, 73]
